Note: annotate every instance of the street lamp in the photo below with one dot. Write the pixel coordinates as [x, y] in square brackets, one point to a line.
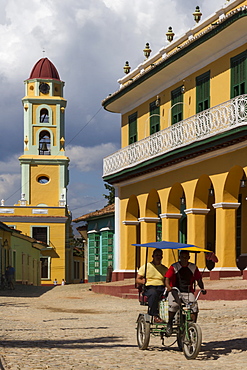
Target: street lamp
[157, 101]
[243, 182]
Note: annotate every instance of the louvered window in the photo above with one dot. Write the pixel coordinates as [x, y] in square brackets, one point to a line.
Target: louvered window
[154, 118]
[177, 105]
[203, 92]
[239, 75]
[132, 120]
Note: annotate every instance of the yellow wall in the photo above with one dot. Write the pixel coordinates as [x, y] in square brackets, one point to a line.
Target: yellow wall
[224, 173]
[40, 192]
[220, 91]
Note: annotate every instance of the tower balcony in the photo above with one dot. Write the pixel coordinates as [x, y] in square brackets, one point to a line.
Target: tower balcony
[220, 121]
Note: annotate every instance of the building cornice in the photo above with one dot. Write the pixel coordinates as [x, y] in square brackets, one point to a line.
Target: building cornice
[184, 49]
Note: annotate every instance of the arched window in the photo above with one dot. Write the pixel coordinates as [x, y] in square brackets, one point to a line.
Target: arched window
[44, 143]
[44, 116]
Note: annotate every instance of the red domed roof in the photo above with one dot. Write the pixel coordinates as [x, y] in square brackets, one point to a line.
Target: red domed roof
[44, 69]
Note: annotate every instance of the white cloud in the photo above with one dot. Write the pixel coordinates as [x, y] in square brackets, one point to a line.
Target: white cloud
[9, 189]
[10, 165]
[89, 158]
[88, 41]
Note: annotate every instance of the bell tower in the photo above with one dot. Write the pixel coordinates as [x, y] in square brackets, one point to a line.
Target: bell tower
[42, 212]
[44, 166]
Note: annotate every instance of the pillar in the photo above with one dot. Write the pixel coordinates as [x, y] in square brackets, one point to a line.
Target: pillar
[170, 230]
[225, 240]
[148, 234]
[196, 231]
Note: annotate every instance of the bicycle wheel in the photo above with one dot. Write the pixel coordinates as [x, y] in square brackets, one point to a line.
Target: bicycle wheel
[192, 341]
[143, 332]
[180, 340]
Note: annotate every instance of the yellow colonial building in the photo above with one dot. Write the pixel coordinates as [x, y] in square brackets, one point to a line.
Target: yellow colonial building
[42, 210]
[180, 174]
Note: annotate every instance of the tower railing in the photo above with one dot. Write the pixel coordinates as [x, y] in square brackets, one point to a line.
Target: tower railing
[213, 121]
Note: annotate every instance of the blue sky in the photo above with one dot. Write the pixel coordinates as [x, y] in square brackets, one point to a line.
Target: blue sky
[88, 41]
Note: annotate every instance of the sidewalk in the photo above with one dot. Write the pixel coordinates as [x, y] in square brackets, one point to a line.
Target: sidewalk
[223, 289]
[69, 327]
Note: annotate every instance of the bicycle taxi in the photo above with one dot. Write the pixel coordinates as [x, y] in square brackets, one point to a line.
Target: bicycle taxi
[186, 333]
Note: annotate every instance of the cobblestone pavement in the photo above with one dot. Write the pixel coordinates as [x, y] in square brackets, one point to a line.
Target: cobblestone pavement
[69, 327]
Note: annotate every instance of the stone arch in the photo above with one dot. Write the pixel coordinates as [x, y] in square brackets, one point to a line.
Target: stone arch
[132, 209]
[44, 142]
[132, 232]
[152, 203]
[232, 184]
[204, 198]
[201, 194]
[174, 198]
[44, 115]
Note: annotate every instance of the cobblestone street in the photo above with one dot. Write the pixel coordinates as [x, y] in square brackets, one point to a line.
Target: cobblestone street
[70, 327]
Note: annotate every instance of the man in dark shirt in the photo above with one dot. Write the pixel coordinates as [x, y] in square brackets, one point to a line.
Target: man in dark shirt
[182, 275]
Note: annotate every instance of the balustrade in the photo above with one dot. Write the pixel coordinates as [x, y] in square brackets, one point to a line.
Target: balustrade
[208, 123]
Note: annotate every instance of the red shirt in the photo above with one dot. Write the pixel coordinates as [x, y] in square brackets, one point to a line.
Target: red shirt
[183, 277]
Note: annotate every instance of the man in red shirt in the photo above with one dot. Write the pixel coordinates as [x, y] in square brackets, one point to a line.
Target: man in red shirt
[182, 275]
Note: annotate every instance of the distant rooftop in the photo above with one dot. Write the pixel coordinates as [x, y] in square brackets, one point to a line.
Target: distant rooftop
[102, 212]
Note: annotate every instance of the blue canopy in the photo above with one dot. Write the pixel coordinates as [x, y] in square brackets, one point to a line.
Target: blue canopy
[172, 245]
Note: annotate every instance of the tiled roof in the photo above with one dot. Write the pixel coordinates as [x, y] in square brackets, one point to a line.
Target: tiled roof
[102, 212]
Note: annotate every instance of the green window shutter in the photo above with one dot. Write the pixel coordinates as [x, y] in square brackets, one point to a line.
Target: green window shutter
[107, 250]
[93, 254]
[177, 105]
[158, 224]
[239, 75]
[154, 118]
[132, 120]
[203, 92]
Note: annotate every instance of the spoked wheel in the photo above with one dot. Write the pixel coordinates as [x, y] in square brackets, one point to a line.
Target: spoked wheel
[143, 332]
[192, 342]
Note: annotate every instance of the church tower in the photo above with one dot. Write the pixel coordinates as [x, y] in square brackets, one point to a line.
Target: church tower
[44, 166]
[42, 210]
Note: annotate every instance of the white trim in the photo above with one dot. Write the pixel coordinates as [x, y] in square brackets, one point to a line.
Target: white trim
[197, 211]
[225, 269]
[105, 229]
[117, 239]
[93, 232]
[118, 270]
[40, 211]
[226, 205]
[129, 222]
[171, 215]
[7, 210]
[149, 219]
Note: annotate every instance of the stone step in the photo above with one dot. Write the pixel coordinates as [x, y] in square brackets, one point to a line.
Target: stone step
[130, 296]
[225, 289]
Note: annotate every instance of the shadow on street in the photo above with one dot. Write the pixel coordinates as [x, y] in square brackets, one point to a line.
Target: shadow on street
[26, 291]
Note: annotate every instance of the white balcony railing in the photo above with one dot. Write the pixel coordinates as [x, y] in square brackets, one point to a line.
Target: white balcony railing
[213, 121]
